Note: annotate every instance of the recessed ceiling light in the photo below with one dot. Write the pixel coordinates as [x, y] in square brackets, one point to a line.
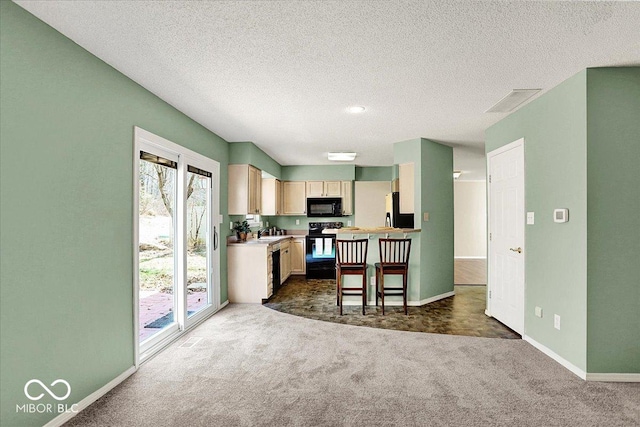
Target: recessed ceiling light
[341, 157]
[514, 99]
[356, 109]
[456, 174]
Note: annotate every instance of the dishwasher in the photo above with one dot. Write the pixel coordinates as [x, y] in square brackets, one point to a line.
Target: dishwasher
[275, 271]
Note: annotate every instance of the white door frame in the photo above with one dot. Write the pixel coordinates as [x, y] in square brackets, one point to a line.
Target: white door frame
[183, 156]
[490, 155]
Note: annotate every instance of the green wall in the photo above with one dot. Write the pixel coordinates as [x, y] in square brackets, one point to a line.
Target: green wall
[581, 142]
[249, 153]
[432, 258]
[373, 173]
[319, 173]
[554, 131]
[66, 144]
[613, 241]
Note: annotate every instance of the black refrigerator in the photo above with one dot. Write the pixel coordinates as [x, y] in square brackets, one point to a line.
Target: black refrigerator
[393, 216]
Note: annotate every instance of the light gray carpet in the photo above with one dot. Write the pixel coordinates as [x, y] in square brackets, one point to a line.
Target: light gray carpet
[256, 366]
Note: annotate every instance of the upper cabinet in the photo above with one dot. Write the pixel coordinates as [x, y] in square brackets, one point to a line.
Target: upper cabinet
[324, 188]
[294, 198]
[406, 187]
[271, 196]
[347, 197]
[245, 190]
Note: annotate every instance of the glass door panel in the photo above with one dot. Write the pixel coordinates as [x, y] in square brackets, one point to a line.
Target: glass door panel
[198, 240]
[156, 254]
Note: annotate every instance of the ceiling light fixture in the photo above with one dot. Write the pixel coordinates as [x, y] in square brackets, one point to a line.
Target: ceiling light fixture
[356, 109]
[456, 174]
[514, 99]
[341, 157]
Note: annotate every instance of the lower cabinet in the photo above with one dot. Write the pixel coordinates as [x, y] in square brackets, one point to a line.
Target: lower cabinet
[249, 272]
[285, 260]
[298, 254]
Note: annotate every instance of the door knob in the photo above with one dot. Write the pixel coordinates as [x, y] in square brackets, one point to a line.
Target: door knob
[518, 249]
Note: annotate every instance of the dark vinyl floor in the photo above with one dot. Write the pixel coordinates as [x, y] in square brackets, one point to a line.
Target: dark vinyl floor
[462, 314]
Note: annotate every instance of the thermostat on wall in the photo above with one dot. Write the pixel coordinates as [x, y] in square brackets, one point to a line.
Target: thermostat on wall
[561, 215]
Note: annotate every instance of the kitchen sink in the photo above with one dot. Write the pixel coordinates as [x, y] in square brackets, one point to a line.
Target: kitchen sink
[272, 237]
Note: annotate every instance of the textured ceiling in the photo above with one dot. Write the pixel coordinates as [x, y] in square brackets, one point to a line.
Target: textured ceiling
[281, 74]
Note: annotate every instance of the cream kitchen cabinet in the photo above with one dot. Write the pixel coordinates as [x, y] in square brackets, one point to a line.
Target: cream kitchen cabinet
[324, 188]
[298, 254]
[294, 198]
[271, 197]
[347, 197]
[250, 272]
[285, 260]
[245, 190]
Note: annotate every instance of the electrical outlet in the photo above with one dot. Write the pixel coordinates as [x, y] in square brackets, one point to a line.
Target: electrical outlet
[231, 225]
[348, 223]
[425, 216]
[267, 224]
[297, 222]
[556, 321]
[538, 311]
[373, 280]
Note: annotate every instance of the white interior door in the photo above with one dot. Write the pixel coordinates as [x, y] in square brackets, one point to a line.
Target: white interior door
[506, 235]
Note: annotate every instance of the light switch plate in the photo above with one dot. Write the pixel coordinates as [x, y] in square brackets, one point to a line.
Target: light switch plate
[538, 311]
[348, 223]
[231, 225]
[556, 321]
[531, 218]
[425, 216]
[297, 222]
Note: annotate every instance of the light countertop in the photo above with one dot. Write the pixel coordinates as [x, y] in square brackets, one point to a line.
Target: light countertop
[371, 230]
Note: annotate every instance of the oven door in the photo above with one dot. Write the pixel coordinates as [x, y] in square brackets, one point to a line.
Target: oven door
[321, 256]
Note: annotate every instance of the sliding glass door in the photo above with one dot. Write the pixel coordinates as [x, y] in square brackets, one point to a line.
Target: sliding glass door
[157, 256]
[177, 254]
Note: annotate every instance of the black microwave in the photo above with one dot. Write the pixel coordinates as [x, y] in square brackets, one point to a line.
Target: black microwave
[324, 206]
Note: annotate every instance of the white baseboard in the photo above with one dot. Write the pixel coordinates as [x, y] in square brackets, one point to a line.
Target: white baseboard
[603, 377]
[84, 403]
[469, 257]
[614, 378]
[223, 305]
[487, 313]
[564, 362]
[357, 300]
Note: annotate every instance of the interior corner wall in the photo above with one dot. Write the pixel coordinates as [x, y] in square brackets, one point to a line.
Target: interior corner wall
[66, 143]
[555, 141]
[613, 242]
[470, 216]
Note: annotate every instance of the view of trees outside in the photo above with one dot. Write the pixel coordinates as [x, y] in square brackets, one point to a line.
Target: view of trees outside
[157, 234]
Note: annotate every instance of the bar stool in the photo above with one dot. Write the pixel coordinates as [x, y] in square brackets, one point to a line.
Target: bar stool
[351, 259]
[394, 259]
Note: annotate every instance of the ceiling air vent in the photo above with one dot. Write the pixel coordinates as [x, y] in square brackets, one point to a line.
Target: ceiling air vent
[513, 100]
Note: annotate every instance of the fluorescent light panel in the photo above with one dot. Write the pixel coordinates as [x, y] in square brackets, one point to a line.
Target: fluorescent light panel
[514, 99]
[341, 157]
